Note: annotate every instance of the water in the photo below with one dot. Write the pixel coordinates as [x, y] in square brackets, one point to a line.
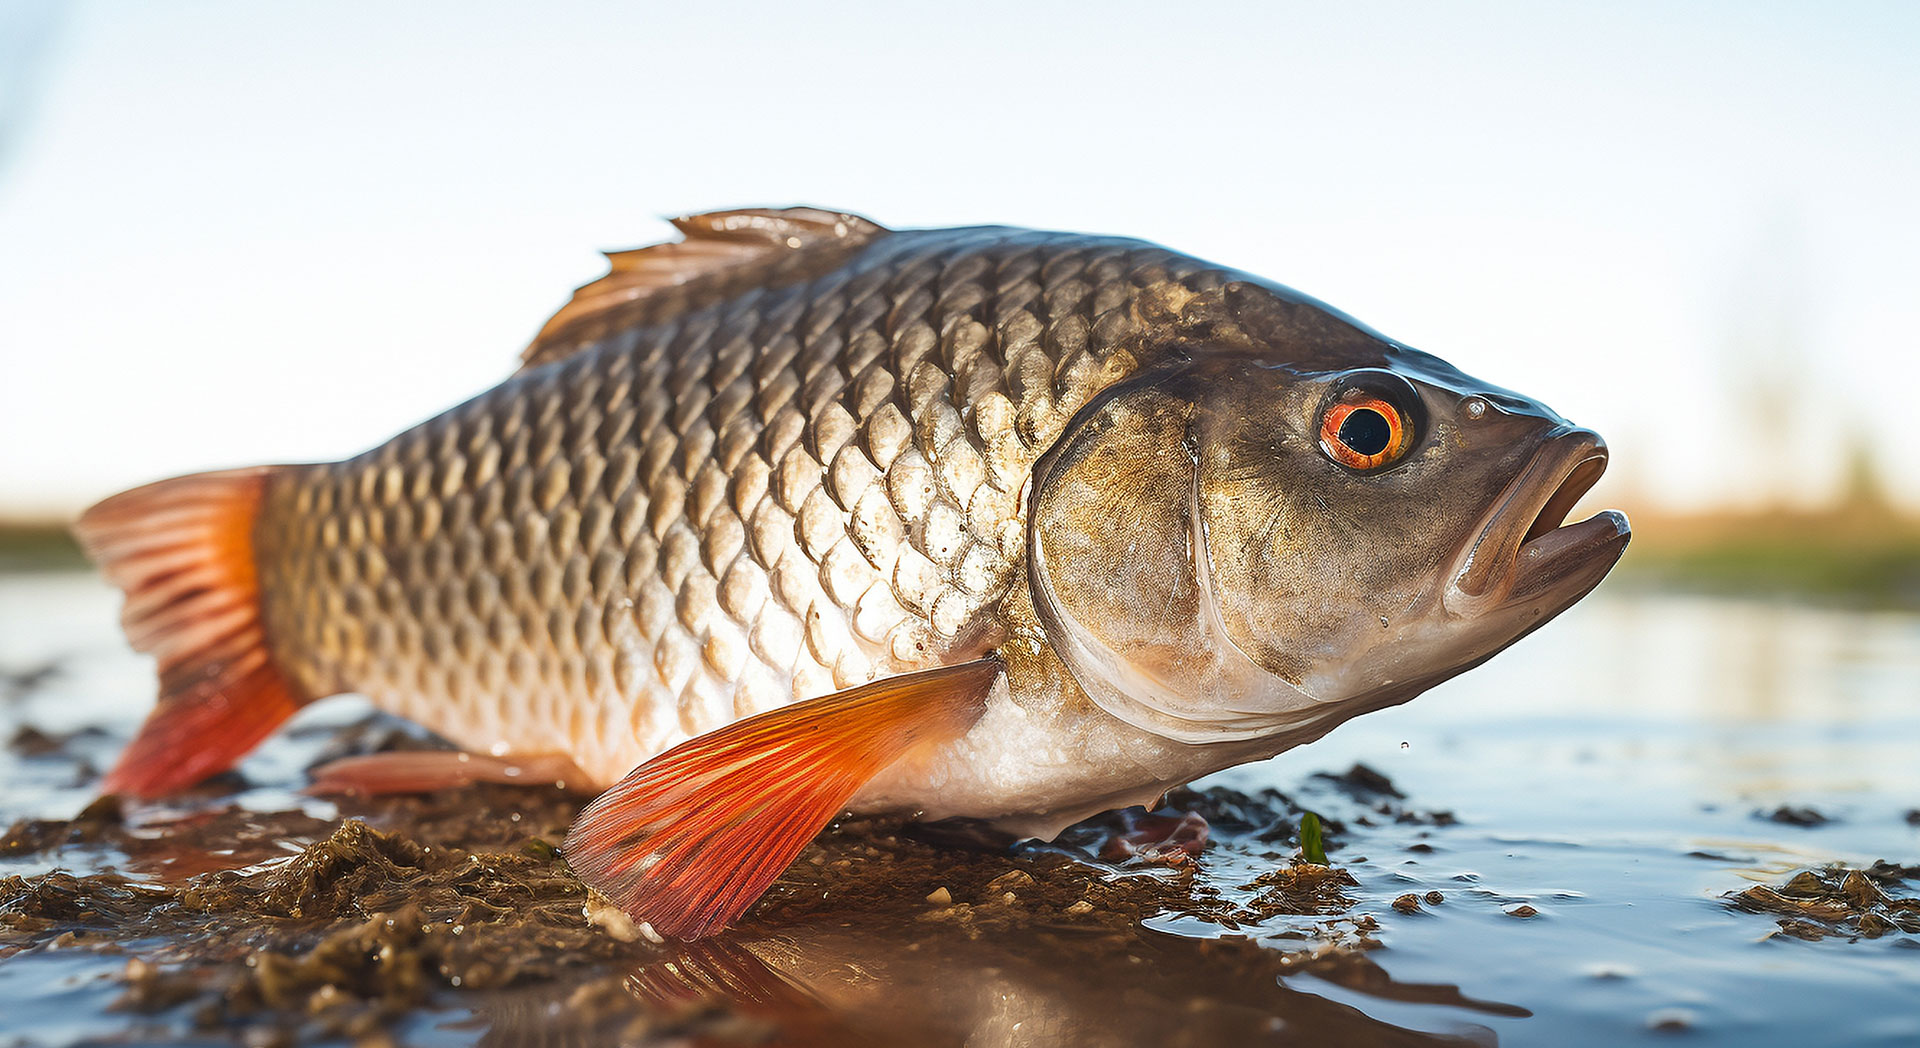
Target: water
[1608, 773]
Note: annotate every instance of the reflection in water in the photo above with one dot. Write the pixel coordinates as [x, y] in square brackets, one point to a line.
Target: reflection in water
[1604, 773]
[868, 985]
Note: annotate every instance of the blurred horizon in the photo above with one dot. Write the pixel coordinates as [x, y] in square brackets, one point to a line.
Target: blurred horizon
[234, 234]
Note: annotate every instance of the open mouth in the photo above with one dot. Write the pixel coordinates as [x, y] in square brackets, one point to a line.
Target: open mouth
[1580, 480]
[1527, 548]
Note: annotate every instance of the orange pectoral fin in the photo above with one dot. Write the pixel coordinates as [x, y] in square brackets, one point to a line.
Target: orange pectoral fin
[687, 841]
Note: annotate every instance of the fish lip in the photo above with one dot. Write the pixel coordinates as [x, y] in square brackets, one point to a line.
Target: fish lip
[1523, 549]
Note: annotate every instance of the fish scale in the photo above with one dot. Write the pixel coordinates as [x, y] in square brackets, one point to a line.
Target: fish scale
[694, 519]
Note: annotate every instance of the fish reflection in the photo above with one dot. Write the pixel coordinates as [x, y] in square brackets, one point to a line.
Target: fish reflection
[857, 985]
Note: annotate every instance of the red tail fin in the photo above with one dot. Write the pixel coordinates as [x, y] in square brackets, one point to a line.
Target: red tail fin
[182, 551]
[690, 839]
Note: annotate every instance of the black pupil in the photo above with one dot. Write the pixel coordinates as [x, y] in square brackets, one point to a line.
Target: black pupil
[1366, 431]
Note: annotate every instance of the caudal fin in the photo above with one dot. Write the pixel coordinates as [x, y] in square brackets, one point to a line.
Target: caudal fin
[687, 841]
[182, 552]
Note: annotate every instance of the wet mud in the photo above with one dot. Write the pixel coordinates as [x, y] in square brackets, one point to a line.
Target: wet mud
[283, 926]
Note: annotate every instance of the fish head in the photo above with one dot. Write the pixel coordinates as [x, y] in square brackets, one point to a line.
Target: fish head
[1228, 547]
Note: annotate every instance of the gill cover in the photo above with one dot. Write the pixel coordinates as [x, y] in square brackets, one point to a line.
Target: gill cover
[1121, 576]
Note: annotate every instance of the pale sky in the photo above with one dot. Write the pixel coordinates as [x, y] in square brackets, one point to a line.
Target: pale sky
[241, 232]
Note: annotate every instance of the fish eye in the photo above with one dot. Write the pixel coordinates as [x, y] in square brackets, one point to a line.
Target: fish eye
[1363, 430]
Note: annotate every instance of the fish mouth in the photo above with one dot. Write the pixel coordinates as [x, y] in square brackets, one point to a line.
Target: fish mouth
[1526, 550]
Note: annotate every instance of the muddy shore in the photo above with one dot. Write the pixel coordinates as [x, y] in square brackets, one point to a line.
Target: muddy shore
[1622, 867]
[459, 899]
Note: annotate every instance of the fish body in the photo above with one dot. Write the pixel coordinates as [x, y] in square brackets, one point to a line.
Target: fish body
[990, 523]
[681, 522]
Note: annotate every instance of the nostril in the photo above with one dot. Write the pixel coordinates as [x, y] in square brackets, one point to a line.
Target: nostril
[1477, 406]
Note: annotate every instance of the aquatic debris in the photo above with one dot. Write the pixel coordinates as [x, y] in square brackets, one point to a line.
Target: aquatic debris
[1266, 817]
[1791, 815]
[1303, 888]
[1363, 783]
[1837, 901]
[29, 741]
[1373, 789]
[32, 836]
[39, 908]
[1410, 902]
[1672, 1020]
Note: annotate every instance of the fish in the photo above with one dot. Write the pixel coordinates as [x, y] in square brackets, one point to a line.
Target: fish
[798, 516]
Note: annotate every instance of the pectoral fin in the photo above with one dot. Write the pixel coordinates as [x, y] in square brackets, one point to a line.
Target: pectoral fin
[687, 841]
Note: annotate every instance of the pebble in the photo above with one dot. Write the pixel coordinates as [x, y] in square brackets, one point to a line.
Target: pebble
[1671, 1020]
[602, 913]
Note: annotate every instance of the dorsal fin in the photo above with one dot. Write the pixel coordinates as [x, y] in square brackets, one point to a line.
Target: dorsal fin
[747, 245]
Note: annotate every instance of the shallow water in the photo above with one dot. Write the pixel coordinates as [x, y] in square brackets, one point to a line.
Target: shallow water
[1609, 773]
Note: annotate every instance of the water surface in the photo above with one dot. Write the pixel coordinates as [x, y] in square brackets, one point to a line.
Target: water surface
[1607, 778]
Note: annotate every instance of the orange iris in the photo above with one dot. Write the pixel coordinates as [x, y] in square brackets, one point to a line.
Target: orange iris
[1363, 431]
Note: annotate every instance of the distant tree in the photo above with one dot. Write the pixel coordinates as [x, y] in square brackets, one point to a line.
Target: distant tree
[1865, 489]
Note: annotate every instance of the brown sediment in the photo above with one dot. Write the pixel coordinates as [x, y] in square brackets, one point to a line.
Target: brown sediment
[461, 897]
[1305, 888]
[32, 836]
[362, 922]
[1837, 901]
[222, 921]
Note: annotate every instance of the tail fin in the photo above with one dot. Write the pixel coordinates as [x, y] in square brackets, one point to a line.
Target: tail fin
[182, 551]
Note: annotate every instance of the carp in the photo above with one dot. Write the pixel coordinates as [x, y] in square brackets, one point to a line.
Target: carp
[799, 516]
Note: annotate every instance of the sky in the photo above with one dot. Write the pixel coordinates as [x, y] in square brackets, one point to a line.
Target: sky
[237, 232]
